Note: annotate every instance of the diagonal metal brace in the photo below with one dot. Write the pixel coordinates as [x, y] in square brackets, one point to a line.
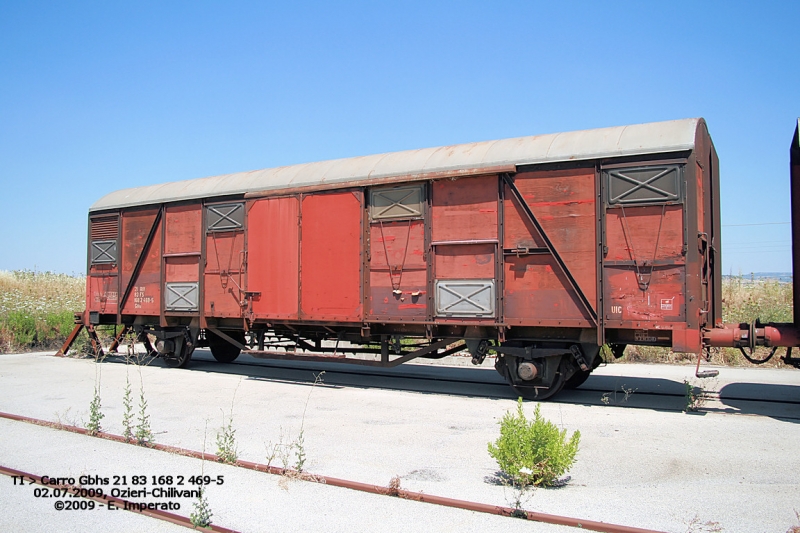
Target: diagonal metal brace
[139, 263]
[561, 265]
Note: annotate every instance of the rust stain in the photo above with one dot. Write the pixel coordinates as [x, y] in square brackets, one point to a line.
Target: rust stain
[565, 202]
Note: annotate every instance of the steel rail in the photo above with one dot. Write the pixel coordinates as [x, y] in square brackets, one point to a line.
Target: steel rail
[125, 505]
[591, 525]
[485, 383]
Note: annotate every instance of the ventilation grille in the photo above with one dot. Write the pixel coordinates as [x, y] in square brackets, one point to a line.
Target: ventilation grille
[104, 228]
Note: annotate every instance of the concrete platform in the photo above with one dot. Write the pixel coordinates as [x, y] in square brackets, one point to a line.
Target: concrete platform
[647, 465]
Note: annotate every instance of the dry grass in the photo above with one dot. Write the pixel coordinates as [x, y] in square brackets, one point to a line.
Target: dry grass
[36, 310]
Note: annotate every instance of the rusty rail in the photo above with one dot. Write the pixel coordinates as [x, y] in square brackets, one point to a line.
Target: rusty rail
[121, 504]
[590, 525]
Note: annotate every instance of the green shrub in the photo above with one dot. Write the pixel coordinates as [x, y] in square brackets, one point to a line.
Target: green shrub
[533, 452]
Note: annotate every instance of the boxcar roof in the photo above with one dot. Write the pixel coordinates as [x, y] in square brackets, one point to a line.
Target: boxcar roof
[656, 137]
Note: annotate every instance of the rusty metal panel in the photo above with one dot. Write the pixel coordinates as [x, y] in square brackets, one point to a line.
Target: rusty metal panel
[464, 261]
[102, 281]
[664, 299]
[273, 244]
[564, 203]
[102, 289]
[398, 270]
[182, 250]
[465, 298]
[184, 229]
[536, 290]
[224, 274]
[464, 209]
[396, 202]
[182, 268]
[145, 297]
[408, 302]
[645, 266]
[455, 160]
[632, 234]
[331, 256]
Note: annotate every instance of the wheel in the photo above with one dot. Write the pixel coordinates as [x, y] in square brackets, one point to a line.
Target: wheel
[531, 392]
[222, 350]
[577, 379]
[181, 359]
[541, 393]
[580, 377]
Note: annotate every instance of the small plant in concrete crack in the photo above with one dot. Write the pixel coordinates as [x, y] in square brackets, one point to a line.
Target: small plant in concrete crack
[201, 515]
[694, 396]
[796, 528]
[520, 495]
[127, 417]
[95, 416]
[299, 452]
[625, 391]
[279, 451]
[64, 418]
[143, 433]
[226, 441]
[227, 451]
[533, 452]
[393, 489]
[697, 526]
[299, 444]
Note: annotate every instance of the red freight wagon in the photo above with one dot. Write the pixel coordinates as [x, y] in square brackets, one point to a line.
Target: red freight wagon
[541, 249]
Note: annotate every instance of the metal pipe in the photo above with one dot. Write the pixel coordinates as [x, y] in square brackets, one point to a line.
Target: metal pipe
[752, 335]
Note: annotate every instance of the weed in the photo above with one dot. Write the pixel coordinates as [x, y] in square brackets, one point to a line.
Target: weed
[64, 418]
[299, 444]
[393, 489]
[201, 516]
[696, 394]
[521, 495]
[696, 526]
[278, 450]
[283, 448]
[226, 436]
[226, 441]
[533, 452]
[127, 417]
[95, 415]
[299, 452]
[795, 529]
[143, 434]
[626, 393]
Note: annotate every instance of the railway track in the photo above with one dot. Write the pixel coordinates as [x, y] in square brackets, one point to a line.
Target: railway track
[104, 499]
[598, 390]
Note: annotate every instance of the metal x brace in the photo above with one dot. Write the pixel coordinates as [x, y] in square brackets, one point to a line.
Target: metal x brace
[465, 298]
[642, 184]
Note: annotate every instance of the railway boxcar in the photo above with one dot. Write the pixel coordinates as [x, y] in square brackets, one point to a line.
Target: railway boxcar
[541, 249]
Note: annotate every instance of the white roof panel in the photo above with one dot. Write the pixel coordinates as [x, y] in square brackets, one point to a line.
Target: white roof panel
[656, 137]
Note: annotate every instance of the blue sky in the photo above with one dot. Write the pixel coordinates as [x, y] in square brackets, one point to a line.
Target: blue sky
[99, 96]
